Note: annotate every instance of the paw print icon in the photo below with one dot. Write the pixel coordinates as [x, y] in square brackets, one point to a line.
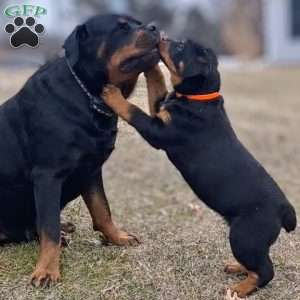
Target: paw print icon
[24, 32]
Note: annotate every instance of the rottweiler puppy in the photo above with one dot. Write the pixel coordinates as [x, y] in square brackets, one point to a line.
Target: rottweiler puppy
[193, 128]
[57, 133]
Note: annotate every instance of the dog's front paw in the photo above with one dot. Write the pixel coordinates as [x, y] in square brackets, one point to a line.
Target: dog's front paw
[122, 238]
[44, 277]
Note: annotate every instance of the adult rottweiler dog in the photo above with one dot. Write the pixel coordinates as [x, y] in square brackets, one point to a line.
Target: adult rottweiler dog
[57, 133]
[194, 130]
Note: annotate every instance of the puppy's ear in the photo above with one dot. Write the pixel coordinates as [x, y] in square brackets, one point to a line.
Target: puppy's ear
[193, 68]
[203, 62]
[73, 42]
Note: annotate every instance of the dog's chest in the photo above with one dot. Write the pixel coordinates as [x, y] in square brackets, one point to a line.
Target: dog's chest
[88, 150]
[97, 142]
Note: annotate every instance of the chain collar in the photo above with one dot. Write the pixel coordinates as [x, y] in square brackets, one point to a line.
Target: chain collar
[96, 103]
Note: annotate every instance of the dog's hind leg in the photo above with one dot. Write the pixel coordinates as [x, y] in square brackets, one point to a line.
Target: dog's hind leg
[66, 228]
[3, 238]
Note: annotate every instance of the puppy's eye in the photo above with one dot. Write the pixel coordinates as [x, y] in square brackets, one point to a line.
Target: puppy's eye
[180, 46]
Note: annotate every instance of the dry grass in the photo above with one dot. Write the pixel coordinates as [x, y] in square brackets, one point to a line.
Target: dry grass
[183, 250]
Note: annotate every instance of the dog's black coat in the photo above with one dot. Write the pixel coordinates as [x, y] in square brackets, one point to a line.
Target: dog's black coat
[48, 130]
[201, 143]
[53, 143]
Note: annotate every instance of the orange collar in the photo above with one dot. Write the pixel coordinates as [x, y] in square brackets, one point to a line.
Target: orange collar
[204, 97]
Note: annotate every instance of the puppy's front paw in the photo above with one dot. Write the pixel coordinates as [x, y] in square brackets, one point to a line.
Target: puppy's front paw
[165, 116]
[111, 92]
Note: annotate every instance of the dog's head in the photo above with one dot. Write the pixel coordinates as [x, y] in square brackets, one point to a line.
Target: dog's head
[193, 68]
[116, 47]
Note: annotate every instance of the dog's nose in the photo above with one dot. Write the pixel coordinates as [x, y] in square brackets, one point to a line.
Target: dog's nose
[151, 27]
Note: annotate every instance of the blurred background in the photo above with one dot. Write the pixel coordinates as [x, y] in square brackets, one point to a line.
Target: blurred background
[184, 243]
[239, 30]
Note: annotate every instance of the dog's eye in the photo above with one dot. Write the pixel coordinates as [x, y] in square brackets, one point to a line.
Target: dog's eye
[124, 26]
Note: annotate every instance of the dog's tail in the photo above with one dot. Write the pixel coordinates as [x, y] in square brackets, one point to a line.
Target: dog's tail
[289, 218]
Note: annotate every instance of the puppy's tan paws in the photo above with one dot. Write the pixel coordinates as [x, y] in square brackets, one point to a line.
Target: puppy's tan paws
[111, 90]
[233, 267]
[230, 295]
[165, 116]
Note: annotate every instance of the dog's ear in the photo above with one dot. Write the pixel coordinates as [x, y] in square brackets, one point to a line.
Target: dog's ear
[73, 42]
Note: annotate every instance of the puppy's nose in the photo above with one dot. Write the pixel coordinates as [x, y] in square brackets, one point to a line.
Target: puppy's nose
[151, 26]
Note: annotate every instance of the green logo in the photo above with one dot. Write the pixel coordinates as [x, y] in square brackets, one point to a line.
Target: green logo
[25, 11]
[24, 29]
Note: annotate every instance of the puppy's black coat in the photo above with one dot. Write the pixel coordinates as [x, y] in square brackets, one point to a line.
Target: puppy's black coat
[200, 141]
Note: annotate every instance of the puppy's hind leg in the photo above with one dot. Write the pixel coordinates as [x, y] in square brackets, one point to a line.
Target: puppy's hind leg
[233, 267]
[250, 241]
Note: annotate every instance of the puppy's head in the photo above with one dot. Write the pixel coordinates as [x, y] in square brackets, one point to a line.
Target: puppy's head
[117, 45]
[193, 68]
